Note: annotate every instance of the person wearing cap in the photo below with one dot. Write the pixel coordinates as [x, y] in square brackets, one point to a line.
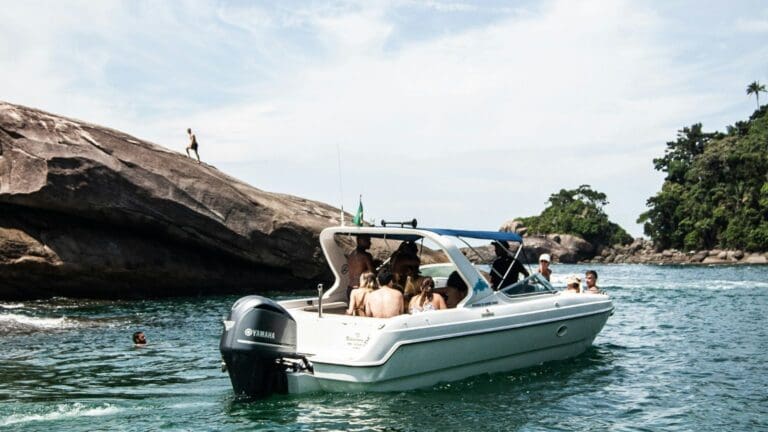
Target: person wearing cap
[573, 284]
[544, 269]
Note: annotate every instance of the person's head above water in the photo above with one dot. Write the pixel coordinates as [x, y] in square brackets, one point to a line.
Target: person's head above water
[139, 338]
[189, 130]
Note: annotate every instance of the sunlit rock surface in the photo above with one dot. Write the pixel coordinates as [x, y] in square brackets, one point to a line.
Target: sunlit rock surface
[91, 211]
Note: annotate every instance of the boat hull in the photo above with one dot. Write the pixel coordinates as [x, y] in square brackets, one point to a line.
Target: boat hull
[424, 363]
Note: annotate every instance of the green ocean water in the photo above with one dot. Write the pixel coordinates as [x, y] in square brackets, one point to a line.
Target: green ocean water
[687, 349]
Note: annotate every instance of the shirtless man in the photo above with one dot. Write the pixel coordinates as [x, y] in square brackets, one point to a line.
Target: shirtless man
[192, 144]
[359, 261]
[385, 302]
[591, 279]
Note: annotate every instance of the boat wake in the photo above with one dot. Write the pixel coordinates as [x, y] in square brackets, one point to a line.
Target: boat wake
[19, 323]
[63, 411]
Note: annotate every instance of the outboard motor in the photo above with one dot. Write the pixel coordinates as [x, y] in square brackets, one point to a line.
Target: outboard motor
[258, 334]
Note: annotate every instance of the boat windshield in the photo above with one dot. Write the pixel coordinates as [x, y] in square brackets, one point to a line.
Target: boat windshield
[533, 284]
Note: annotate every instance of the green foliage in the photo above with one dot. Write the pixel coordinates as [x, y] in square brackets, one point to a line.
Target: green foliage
[715, 193]
[580, 212]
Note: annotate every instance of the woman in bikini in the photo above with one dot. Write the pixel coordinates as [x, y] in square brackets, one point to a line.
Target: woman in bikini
[357, 296]
[426, 300]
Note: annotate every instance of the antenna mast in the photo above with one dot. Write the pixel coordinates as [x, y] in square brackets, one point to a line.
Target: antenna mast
[341, 184]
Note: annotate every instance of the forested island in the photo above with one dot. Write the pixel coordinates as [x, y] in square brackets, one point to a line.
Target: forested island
[712, 206]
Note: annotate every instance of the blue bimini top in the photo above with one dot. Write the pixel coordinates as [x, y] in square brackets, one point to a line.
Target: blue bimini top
[488, 235]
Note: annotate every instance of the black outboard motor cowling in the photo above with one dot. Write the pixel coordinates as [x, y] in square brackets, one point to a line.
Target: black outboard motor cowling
[258, 333]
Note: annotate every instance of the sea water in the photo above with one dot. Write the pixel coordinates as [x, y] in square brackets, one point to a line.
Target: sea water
[687, 349]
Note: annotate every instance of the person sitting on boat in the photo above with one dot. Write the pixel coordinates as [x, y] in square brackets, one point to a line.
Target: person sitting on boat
[413, 281]
[426, 300]
[454, 291]
[357, 297]
[386, 301]
[544, 269]
[359, 261]
[505, 269]
[573, 284]
[590, 278]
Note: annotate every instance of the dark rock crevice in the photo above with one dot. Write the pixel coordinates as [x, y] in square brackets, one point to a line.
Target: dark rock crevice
[11, 133]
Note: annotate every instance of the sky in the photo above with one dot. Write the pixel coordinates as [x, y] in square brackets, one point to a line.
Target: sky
[460, 114]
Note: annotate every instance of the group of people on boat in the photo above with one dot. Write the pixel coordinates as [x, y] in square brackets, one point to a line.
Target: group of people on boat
[573, 282]
[399, 288]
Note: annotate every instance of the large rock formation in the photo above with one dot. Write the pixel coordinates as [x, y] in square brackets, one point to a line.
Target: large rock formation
[91, 211]
[564, 248]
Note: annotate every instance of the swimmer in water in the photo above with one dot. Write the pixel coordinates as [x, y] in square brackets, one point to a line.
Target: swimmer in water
[139, 339]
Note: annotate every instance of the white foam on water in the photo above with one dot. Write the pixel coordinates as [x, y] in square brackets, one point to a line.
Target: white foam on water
[62, 412]
[43, 323]
[188, 405]
[11, 305]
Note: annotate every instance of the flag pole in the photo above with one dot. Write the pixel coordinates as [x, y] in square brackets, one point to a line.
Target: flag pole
[341, 184]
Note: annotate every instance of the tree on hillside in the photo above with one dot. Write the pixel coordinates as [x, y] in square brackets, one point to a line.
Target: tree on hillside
[580, 212]
[680, 154]
[755, 88]
[715, 194]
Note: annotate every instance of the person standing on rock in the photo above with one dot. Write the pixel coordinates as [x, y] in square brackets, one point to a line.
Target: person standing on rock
[192, 144]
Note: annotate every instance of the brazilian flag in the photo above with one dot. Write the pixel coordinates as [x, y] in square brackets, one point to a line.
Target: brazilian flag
[358, 219]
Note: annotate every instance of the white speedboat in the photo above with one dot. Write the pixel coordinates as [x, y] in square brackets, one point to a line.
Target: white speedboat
[310, 344]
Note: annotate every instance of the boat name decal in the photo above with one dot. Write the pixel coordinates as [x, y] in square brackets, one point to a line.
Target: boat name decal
[357, 341]
[490, 303]
[259, 333]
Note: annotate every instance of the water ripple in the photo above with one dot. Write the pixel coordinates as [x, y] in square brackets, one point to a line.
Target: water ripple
[685, 350]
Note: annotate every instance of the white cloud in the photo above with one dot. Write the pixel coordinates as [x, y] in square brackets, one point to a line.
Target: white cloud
[466, 127]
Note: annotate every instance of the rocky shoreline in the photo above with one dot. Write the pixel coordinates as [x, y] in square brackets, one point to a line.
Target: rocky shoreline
[642, 251]
[569, 249]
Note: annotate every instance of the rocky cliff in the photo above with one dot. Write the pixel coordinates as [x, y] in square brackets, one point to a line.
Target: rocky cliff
[90, 211]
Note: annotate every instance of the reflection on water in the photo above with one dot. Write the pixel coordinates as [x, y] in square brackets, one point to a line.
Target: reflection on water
[684, 350]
